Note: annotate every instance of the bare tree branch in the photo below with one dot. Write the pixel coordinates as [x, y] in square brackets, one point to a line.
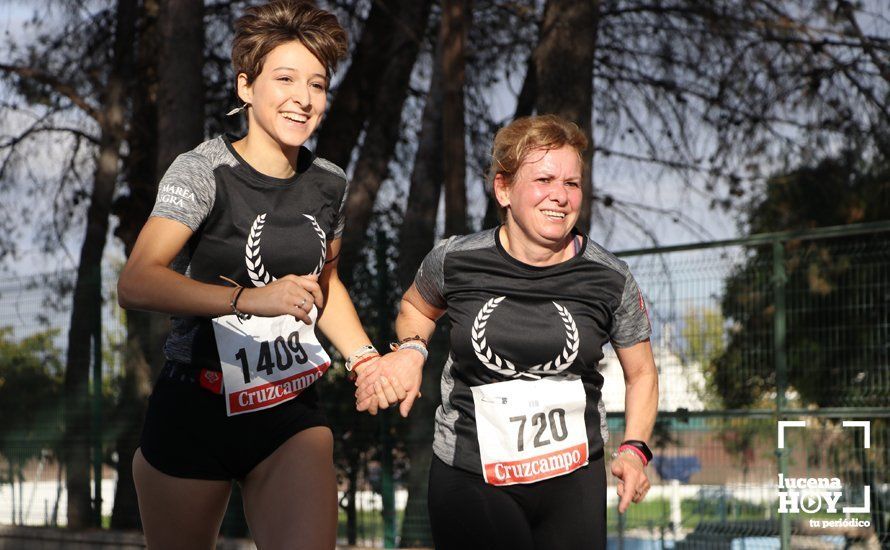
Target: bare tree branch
[60, 87]
[12, 142]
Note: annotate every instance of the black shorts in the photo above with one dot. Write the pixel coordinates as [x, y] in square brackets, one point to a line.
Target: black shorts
[187, 433]
[562, 513]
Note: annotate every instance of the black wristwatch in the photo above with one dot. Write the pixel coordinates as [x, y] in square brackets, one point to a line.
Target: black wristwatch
[640, 446]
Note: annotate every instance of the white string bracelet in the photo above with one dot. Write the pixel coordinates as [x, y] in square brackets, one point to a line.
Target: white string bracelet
[363, 351]
[416, 346]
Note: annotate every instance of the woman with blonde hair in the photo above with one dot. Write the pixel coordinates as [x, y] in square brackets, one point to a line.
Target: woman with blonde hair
[521, 430]
[241, 250]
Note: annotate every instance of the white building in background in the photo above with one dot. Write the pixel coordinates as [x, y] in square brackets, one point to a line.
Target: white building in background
[680, 385]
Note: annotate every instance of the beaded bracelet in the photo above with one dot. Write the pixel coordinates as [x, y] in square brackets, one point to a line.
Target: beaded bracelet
[415, 338]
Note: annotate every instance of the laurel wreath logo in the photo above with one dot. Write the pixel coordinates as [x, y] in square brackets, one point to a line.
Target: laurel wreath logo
[324, 244]
[257, 272]
[493, 361]
[255, 268]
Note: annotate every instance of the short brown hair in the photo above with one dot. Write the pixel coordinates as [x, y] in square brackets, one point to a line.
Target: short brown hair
[515, 141]
[263, 28]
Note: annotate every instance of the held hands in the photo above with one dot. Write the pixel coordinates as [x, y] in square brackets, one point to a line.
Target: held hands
[290, 295]
[393, 378]
[633, 482]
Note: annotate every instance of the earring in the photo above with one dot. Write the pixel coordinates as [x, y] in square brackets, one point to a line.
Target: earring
[237, 110]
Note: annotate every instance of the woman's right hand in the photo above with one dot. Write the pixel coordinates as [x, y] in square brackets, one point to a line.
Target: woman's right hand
[393, 378]
[289, 295]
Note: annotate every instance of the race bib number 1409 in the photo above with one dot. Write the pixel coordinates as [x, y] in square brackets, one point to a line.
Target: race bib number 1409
[267, 360]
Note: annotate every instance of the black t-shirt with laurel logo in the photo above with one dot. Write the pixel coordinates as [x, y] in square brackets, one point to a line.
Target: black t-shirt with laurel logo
[249, 227]
[513, 321]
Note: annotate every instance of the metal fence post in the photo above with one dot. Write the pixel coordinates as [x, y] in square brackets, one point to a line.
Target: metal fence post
[386, 487]
[781, 364]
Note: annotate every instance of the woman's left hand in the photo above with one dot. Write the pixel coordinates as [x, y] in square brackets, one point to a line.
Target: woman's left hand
[633, 482]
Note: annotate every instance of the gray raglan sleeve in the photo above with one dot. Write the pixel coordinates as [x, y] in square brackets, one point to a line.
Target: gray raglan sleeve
[187, 191]
[340, 220]
[430, 278]
[630, 323]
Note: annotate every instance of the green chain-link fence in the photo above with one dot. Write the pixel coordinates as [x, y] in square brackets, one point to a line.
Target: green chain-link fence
[746, 333]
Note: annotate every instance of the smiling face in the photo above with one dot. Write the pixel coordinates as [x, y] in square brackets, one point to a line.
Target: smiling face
[288, 98]
[543, 200]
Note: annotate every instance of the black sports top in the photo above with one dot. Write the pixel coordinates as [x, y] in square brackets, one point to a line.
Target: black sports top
[508, 318]
[247, 226]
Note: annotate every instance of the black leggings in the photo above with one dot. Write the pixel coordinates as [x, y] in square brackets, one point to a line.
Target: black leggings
[562, 513]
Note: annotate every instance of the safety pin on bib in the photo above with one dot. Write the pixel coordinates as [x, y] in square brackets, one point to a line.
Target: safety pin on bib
[499, 400]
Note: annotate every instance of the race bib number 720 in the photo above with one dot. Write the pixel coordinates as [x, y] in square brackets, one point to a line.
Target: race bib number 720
[530, 431]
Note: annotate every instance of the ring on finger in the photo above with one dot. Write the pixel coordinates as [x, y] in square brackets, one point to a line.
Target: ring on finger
[303, 303]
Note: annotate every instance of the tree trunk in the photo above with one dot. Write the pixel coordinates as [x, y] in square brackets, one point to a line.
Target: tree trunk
[86, 322]
[132, 209]
[419, 226]
[382, 134]
[564, 73]
[142, 350]
[355, 97]
[454, 29]
[180, 79]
